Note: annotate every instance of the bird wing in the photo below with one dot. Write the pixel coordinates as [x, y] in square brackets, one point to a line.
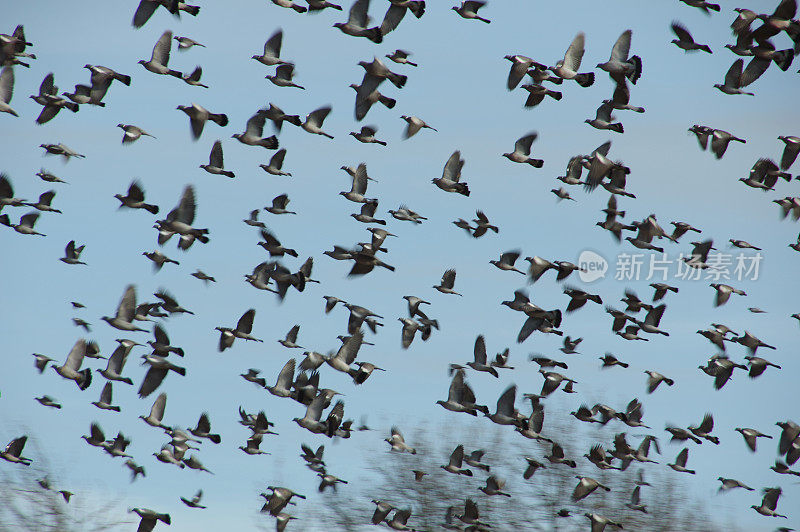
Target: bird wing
[734, 74]
[284, 72]
[117, 360]
[622, 47]
[6, 84]
[453, 166]
[755, 68]
[162, 48]
[203, 424]
[272, 48]
[392, 19]
[106, 394]
[350, 347]
[317, 117]
[314, 409]
[456, 392]
[291, 336]
[480, 350]
[143, 12]
[245, 323]
[505, 404]
[135, 192]
[277, 160]
[358, 14]
[280, 201]
[157, 411]
[160, 335]
[286, 376]
[681, 32]
[360, 179]
[215, 158]
[682, 457]
[187, 206]
[255, 125]
[574, 54]
[523, 145]
[457, 456]
[152, 380]
[76, 354]
[449, 278]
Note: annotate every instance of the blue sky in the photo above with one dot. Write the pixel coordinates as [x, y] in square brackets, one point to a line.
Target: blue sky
[459, 89]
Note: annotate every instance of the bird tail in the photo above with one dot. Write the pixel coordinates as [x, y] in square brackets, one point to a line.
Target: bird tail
[637, 69]
[122, 78]
[555, 79]
[536, 163]
[417, 8]
[271, 143]
[152, 209]
[706, 48]
[463, 189]
[585, 80]
[179, 370]
[219, 119]
[176, 74]
[784, 59]
[75, 108]
[293, 119]
[228, 173]
[299, 9]
[214, 438]
[388, 102]
[193, 11]
[617, 127]
[5, 221]
[554, 94]
[86, 380]
[398, 80]
[374, 34]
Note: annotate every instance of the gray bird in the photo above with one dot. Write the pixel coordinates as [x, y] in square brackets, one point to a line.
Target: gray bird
[276, 163]
[46, 400]
[522, 151]
[448, 282]
[184, 43]
[680, 462]
[568, 67]
[132, 133]
[159, 367]
[684, 39]
[469, 10]
[451, 176]
[50, 100]
[160, 57]
[61, 149]
[150, 517]
[243, 329]
[194, 78]
[790, 151]
[194, 502]
[72, 366]
[134, 199]
[769, 503]
[216, 163]
[620, 65]
[101, 79]
[179, 220]
[198, 116]
[357, 21]
[125, 312]
[733, 80]
[413, 126]
[13, 451]
[272, 50]
[279, 204]
[104, 403]
[283, 76]
[367, 135]
[314, 120]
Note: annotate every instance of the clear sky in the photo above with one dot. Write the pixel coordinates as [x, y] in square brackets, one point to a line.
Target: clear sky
[459, 88]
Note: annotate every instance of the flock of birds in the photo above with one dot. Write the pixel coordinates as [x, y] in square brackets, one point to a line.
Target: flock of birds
[301, 381]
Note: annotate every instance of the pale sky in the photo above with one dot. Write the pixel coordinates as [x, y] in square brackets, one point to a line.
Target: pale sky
[459, 88]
